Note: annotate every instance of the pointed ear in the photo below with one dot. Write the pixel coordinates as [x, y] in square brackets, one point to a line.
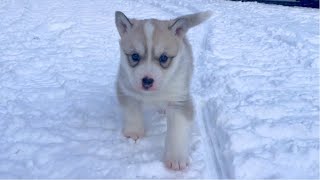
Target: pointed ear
[122, 22]
[181, 25]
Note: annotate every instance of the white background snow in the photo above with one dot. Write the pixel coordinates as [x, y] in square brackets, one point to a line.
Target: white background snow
[256, 89]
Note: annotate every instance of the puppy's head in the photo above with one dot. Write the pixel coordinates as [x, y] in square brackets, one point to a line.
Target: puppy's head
[151, 49]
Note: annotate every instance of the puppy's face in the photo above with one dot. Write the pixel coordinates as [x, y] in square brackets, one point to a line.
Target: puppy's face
[150, 49]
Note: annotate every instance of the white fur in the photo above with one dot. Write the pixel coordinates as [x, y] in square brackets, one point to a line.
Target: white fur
[148, 30]
[133, 125]
[177, 140]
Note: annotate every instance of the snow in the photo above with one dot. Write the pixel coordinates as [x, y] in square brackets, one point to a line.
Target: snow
[255, 86]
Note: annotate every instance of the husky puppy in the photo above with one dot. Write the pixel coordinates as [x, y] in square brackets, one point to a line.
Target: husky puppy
[156, 66]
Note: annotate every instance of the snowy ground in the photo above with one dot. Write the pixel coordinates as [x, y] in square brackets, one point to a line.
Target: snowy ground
[256, 88]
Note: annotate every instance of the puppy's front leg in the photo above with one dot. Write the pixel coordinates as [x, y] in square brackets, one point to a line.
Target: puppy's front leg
[179, 121]
[133, 126]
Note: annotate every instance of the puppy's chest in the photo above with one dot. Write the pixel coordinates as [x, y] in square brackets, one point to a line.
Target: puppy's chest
[155, 106]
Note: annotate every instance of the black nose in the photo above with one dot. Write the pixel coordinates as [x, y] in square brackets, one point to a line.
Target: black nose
[147, 82]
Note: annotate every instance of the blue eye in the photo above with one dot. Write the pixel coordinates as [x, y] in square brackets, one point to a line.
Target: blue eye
[163, 58]
[135, 57]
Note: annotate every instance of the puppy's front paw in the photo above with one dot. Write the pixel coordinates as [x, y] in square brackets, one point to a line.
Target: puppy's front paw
[176, 163]
[133, 133]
